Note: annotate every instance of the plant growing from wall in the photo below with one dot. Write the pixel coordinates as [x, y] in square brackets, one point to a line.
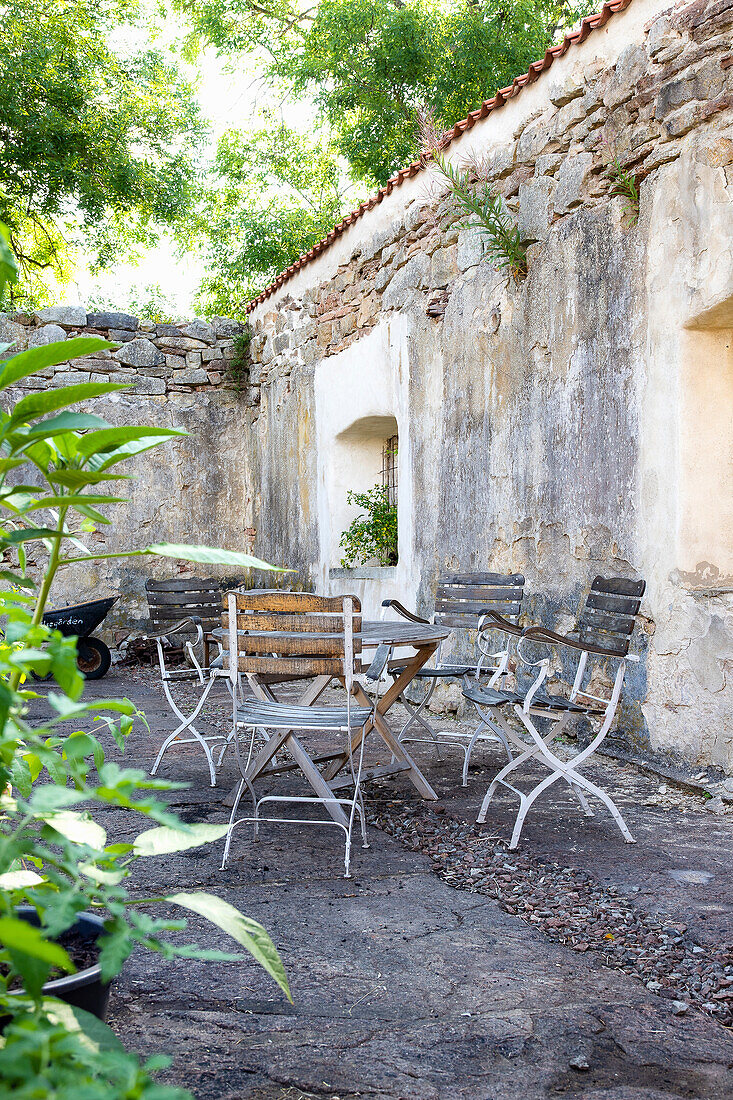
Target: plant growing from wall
[54, 856]
[238, 369]
[505, 245]
[623, 183]
[372, 534]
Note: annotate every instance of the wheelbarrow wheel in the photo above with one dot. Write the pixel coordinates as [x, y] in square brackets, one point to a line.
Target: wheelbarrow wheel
[92, 658]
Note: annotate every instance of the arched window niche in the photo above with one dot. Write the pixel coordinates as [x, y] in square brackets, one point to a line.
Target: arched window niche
[365, 457]
[362, 402]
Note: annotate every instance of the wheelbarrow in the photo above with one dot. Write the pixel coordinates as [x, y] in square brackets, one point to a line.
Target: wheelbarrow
[92, 656]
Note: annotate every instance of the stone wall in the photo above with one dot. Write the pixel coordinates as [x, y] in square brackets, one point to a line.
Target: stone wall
[542, 423]
[564, 425]
[194, 490]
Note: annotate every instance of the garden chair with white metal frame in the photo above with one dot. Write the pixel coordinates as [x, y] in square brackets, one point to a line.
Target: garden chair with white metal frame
[290, 636]
[603, 631]
[188, 609]
[463, 601]
[205, 676]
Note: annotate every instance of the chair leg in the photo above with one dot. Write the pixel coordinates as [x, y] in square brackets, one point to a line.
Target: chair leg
[186, 723]
[581, 799]
[495, 733]
[607, 802]
[243, 782]
[415, 715]
[500, 779]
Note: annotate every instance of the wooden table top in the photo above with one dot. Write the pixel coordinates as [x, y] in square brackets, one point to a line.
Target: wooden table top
[389, 632]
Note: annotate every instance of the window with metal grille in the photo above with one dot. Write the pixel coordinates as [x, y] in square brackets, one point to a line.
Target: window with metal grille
[389, 469]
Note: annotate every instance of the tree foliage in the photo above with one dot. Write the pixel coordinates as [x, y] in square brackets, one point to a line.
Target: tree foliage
[274, 194]
[371, 65]
[96, 142]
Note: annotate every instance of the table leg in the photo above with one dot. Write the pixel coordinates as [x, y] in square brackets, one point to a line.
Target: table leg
[398, 750]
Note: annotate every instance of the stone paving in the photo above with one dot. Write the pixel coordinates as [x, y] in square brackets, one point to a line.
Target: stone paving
[407, 987]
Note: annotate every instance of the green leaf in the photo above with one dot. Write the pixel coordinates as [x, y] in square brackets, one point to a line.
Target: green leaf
[98, 874]
[49, 798]
[247, 932]
[14, 880]
[38, 404]
[160, 841]
[74, 499]
[112, 439]
[67, 422]
[8, 263]
[76, 827]
[74, 479]
[19, 935]
[74, 1019]
[211, 556]
[27, 534]
[49, 355]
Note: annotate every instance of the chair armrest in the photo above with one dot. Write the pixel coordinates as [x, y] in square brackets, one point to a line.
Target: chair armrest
[397, 606]
[542, 634]
[492, 620]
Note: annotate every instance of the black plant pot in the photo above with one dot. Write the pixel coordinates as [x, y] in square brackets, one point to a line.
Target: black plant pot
[85, 989]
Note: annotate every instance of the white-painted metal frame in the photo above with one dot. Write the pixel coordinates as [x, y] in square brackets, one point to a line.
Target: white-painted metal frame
[538, 748]
[491, 664]
[285, 720]
[186, 732]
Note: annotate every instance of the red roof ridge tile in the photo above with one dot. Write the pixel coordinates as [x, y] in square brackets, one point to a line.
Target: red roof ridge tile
[575, 38]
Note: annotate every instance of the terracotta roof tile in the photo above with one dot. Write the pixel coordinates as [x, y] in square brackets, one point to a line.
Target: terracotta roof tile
[589, 24]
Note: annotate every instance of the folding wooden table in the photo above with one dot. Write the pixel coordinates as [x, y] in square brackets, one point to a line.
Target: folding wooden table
[424, 639]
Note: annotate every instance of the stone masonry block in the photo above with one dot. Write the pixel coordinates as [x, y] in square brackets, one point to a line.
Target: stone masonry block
[190, 377]
[70, 377]
[152, 386]
[535, 206]
[200, 330]
[470, 250]
[112, 320]
[571, 87]
[67, 316]
[570, 179]
[140, 353]
[47, 334]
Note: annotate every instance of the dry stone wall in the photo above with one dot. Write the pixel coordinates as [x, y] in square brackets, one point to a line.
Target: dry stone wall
[158, 359]
[194, 490]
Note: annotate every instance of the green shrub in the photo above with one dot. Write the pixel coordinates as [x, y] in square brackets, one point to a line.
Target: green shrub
[373, 535]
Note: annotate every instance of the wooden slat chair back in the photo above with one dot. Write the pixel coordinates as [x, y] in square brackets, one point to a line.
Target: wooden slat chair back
[461, 598]
[608, 617]
[462, 602]
[171, 601]
[275, 636]
[296, 634]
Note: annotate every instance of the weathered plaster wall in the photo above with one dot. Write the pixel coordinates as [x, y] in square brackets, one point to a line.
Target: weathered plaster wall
[194, 490]
[544, 426]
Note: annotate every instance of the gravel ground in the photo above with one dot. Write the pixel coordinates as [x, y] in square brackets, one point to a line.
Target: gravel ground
[568, 906]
